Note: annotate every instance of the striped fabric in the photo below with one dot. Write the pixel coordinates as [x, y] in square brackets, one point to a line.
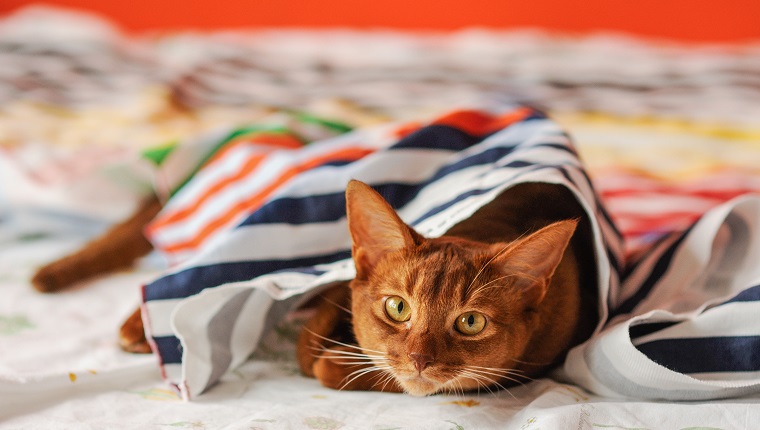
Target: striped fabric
[289, 239]
[684, 322]
[239, 176]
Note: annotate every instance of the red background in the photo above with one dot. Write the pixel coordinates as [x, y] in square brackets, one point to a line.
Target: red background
[695, 20]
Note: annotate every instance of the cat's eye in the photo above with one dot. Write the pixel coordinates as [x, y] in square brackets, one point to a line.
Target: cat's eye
[398, 309]
[470, 323]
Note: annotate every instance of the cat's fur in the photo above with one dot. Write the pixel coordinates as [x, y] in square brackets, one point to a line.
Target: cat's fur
[519, 261]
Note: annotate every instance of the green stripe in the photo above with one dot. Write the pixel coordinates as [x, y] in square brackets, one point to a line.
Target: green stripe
[159, 153]
[334, 125]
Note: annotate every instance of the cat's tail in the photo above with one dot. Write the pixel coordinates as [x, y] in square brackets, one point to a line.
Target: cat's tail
[117, 249]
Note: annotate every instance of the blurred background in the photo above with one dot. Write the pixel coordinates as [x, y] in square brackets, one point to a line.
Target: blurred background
[87, 87]
[696, 21]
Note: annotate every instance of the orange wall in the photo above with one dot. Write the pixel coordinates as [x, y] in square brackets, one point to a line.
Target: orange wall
[687, 20]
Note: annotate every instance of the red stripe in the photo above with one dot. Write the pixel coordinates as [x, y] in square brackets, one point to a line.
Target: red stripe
[186, 212]
[254, 202]
[477, 123]
[264, 142]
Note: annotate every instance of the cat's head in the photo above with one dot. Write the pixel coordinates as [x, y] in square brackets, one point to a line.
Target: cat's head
[447, 313]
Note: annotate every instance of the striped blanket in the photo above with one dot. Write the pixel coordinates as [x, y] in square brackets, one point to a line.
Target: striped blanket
[271, 230]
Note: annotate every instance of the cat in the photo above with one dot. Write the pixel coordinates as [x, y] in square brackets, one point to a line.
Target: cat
[518, 268]
[498, 300]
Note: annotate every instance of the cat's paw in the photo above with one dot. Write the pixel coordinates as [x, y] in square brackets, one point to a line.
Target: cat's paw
[132, 335]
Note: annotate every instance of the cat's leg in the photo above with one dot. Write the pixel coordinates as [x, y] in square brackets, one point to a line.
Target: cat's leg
[132, 335]
[341, 368]
[329, 323]
[117, 249]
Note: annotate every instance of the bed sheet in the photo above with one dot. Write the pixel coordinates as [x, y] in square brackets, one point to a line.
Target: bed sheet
[670, 126]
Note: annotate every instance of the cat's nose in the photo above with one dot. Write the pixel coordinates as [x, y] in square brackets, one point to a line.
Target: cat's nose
[421, 361]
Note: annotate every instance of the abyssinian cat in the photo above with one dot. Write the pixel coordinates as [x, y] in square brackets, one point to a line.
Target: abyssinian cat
[496, 301]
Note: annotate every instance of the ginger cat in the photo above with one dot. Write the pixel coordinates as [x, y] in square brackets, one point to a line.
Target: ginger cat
[498, 300]
[485, 306]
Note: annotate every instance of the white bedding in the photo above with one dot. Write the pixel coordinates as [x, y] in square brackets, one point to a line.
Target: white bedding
[62, 369]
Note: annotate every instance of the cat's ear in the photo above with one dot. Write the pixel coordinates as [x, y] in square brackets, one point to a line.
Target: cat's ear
[533, 260]
[375, 228]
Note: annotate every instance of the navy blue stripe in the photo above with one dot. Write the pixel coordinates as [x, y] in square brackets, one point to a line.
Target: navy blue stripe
[706, 355]
[443, 207]
[335, 163]
[300, 210]
[600, 211]
[526, 167]
[751, 294]
[438, 137]
[331, 207]
[645, 329]
[303, 270]
[195, 279]
[560, 146]
[323, 208]
[489, 156]
[441, 136]
[169, 349]
[659, 269]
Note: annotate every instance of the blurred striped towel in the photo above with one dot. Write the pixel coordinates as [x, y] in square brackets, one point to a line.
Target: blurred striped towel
[288, 238]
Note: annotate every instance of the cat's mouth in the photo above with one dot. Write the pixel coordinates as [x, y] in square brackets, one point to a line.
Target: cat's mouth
[419, 385]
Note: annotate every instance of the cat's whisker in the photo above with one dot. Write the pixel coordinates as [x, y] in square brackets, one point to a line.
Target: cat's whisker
[348, 361]
[488, 376]
[511, 378]
[370, 368]
[461, 387]
[361, 372]
[454, 385]
[348, 353]
[477, 275]
[481, 381]
[337, 305]
[486, 372]
[347, 345]
[323, 352]
[502, 372]
[383, 378]
[355, 360]
[533, 363]
[388, 378]
[378, 376]
[492, 382]
[485, 286]
[514, 372]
